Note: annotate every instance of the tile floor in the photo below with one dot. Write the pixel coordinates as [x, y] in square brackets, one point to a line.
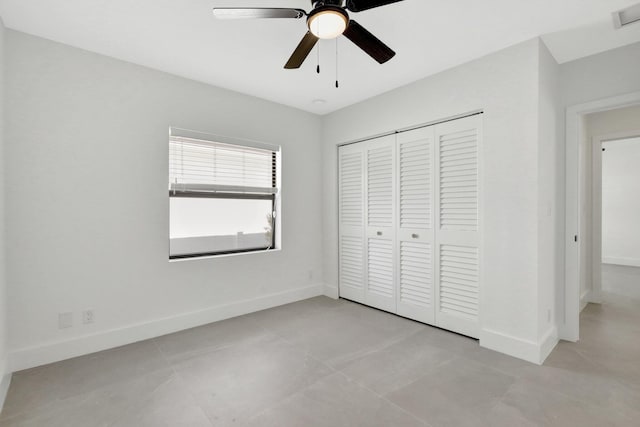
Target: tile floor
[621, 280]
[322, 362]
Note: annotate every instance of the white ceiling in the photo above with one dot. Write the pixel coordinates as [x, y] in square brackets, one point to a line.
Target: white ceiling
[182, 37]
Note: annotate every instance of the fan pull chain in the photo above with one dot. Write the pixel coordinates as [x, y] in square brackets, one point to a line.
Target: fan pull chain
[318, 53]
[337, 84]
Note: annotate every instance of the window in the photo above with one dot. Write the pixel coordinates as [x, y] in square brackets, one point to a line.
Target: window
[222, 195]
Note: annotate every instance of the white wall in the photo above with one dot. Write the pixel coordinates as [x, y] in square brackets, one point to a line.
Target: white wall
[621, 202]
[88, 211]
[619, 250]
[88, 217]
[505, 85]
[550, 201]
[594, 78]
[593, 126]
[613, 121]
[600, 76]
[585, 156]
[5, 376]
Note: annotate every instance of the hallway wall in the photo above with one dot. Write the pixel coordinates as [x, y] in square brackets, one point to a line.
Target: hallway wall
[621, 201]
[595, 125]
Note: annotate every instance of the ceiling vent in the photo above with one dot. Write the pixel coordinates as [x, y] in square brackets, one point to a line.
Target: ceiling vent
[626, 16]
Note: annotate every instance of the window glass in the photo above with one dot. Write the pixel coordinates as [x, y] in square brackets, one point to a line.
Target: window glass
[219, 225]
[222, 197]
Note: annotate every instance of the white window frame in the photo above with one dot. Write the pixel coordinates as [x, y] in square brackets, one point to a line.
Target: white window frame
[230, 192]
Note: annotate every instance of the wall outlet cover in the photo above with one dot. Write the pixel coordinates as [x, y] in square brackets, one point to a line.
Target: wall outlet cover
[88, 317]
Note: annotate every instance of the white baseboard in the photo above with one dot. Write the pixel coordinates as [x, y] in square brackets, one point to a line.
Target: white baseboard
[631, 262]
[30, 357]
[585, 299]
[522, 349]
[5, 381]
[331, 291]
[548, 343]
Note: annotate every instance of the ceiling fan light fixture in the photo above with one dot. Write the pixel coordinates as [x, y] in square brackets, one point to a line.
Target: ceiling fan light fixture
[328, 22]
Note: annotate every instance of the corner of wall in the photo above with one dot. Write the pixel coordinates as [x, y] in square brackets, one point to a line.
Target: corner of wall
[5, 382]
[531, 351]
[536, 348]
[547, 343]
[550, 200]
[5, 375]
[331, 291]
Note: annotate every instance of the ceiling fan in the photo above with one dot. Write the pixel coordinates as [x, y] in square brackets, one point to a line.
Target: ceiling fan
[327, 20]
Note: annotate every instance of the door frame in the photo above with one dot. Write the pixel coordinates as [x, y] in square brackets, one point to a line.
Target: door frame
[569, 322]
[596, 197]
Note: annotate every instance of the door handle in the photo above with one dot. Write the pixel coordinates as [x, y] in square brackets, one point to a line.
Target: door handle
[415, 236]
[379, 233]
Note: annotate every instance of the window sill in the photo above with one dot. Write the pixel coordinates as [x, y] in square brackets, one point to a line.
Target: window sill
[202, 257]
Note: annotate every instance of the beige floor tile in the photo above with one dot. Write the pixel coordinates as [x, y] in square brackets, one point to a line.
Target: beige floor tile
[398, 364]
[450, 393]
[155, 399]
[546, 407]
[196, 341]
[236, 382]
[335, 401]
[36, 388]
[621, 280]
[332, 363]
[342, 334]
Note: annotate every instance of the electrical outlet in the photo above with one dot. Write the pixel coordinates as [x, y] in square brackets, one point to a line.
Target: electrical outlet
[65, 320]
[88, 317]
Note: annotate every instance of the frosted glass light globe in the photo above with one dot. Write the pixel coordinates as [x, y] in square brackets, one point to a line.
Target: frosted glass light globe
[327, 24]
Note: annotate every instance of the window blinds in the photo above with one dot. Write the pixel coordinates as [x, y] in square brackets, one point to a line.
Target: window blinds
[206, 166]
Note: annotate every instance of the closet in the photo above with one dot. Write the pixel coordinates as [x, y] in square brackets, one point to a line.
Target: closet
[409, 224]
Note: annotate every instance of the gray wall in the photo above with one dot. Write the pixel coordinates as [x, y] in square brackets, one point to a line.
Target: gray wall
[3, 275]
[87, 167]
[611, 73]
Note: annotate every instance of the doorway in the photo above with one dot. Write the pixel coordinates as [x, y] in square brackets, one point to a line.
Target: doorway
[589, 126]
[616, 209]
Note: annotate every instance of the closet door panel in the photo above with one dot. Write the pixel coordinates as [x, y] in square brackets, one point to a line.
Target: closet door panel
[380, 291]
[409, 236]
[457, 223]
[352, 266]
[459, 280]
[415, 273]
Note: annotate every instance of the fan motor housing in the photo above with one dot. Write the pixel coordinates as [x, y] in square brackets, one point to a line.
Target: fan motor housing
[319, 3]
[327, 8]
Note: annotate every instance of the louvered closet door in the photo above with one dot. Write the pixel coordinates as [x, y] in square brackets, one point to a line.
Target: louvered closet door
[380, 289]
[351, 222]
[415, 247]
[457, 224]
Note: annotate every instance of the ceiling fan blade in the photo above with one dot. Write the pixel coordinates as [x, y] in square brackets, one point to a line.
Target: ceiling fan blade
[302, 51]
[360, 5]
[257, 13]
[368, 42]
